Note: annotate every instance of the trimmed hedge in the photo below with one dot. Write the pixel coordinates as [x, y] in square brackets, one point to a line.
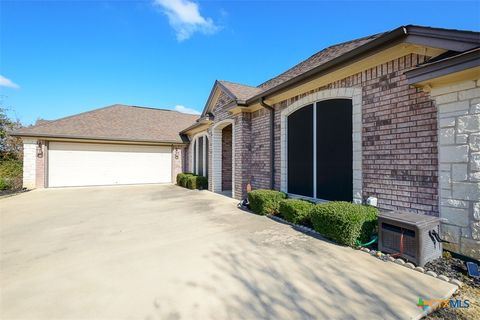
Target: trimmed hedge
[192, 181]
[182, 178]
[296, 211]
[344, 222]
[197, 182]
[264, 201]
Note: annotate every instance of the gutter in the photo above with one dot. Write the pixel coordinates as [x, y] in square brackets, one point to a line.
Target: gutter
[468, 39]
[460, 62]
[272, 140]
[39, 135]
[370, 47]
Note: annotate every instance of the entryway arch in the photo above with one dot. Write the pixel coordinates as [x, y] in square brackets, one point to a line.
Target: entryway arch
[223, 155]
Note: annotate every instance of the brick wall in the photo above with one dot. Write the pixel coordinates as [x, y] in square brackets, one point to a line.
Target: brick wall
[399, 137]
[227, 158]
[178, 155]
[40, 163]
[242, 150]
[260, 156]
[221, 113]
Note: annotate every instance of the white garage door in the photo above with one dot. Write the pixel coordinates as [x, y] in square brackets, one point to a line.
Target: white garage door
[88, 164]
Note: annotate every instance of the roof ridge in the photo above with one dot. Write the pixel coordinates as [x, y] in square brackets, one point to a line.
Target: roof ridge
[237, 83]
[320, 51]
[153, 108]
[71, 116]
[102, 108]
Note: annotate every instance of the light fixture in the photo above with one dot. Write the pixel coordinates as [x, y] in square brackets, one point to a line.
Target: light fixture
[39, 149]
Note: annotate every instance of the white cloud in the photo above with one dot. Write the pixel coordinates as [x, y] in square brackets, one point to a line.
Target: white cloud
[185, 18]
[5, 82]
[184, 109]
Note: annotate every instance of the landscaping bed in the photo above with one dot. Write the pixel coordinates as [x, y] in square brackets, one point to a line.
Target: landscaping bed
[453, 268]
[345, 223]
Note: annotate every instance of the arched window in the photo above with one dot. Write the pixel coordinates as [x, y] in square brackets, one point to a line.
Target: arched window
[319, 150]
[200, 155]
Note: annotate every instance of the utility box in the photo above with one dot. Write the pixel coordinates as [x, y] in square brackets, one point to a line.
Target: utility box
[414, 235]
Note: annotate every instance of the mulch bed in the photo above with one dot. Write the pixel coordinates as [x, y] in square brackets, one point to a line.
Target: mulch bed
[455, 268]
[9, 193]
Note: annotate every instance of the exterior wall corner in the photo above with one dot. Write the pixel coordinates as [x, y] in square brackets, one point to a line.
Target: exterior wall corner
[29, 162]
[458, 107]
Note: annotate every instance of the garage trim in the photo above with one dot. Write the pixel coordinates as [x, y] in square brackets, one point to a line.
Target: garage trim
[87, 164]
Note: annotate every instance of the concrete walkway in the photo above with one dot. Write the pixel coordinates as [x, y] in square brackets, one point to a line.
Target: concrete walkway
[163, 252]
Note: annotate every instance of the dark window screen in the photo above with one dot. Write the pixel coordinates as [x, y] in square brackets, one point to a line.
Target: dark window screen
[300, 152]
[200, 156]
[334, 150]
[194, 169]
[206, 157]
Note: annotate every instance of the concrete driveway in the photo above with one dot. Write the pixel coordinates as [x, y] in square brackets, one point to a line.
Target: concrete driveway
[163, 252]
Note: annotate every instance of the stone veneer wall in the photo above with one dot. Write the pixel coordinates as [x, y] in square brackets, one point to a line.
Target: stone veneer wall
[459, 164]
[29, 162]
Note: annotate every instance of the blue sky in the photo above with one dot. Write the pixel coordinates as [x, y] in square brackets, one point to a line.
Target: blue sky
[63, 57]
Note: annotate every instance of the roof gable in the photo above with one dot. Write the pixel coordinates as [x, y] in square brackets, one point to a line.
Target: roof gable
[235, 91]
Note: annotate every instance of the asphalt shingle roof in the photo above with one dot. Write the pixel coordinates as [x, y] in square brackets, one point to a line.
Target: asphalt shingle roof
[318, 59]
[117, 122]
[244, 92]
[240, 91]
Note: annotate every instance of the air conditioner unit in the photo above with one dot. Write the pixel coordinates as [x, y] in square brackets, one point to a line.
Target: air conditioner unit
[413, 237]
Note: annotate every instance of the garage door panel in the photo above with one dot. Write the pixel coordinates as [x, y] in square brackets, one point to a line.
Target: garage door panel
[79, 164]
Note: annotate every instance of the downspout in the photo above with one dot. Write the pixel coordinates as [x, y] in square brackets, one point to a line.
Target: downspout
[272, 141]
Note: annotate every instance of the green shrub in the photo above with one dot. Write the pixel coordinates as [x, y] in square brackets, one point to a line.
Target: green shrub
[196, 182]
[11, 172]
[182, 178]
[4, 185]
[265, 201]
[344, 222]
[296, 211]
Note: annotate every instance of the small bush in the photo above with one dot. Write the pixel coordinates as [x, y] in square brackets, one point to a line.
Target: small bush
[344, 222]
[182, 178]
[296, 211]
[192, 181]
[197, 182]
[11, 172]
[265, 201]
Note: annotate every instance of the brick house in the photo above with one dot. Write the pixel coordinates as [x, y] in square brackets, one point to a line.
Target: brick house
[369, 117]
[395, 115]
